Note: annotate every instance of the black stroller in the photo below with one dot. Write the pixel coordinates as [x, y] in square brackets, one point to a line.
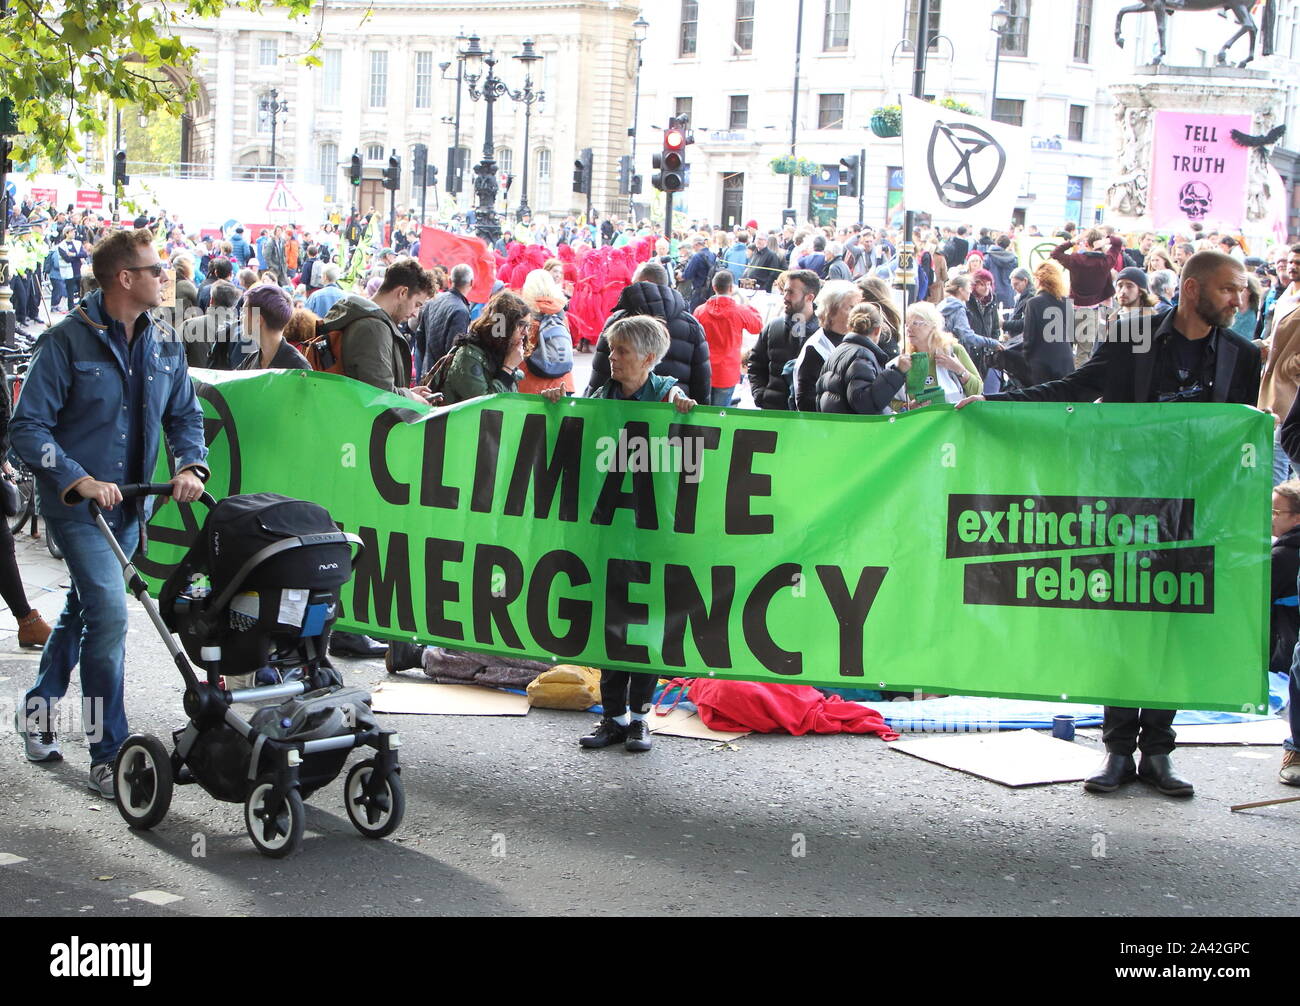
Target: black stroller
[274, 567]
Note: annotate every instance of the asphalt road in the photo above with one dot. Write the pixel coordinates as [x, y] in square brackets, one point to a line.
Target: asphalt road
[509, 816]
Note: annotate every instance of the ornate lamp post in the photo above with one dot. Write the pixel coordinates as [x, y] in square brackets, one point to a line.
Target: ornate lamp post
[640, 28]
[270, 106]
[1001, 19]
[529, 97]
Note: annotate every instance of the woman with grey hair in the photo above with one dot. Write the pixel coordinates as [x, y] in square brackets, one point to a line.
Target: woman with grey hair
[1022, 282]
[834, 302]
[636, 344]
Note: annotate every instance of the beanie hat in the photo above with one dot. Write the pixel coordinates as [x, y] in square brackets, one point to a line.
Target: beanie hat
[1134, 275]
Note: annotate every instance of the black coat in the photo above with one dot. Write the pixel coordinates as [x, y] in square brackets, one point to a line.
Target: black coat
[1015, 325]
[984, 318]
[855, 379]
[1122, 372]
[764, 268]
[777, 345]
[954, 251]
[441, 321]
[1048, 328]
[687, 361]
[1284, 619]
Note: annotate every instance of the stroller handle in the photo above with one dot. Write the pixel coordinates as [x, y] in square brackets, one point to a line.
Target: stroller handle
[134, 490]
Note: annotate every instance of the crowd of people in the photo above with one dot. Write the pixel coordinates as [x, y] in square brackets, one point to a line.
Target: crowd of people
[1009, 315]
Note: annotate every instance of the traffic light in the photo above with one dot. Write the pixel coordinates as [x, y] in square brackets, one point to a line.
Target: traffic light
[354, 169]
[457, 162]
[393, 173]
[851, 176]
[419, 160]
[625, 175]
[671, 176]
[120, 177]
[430, 175]
[582, 172]
[636, 185]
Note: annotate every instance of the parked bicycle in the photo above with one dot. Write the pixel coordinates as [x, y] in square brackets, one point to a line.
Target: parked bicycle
[15, 363]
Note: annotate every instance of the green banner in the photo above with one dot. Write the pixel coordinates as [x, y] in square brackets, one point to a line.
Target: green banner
[1096, 553]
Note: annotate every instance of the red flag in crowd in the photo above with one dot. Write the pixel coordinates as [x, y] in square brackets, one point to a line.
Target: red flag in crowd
[439, 247]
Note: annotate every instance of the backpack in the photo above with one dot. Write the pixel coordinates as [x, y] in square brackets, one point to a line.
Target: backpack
[317, 278]
[324, 350]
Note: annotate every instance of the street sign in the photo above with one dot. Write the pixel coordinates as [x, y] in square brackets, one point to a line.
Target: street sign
[90, 199]
[282, 200]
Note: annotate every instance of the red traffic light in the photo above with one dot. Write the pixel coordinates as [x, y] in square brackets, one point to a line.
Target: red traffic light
[674, 139]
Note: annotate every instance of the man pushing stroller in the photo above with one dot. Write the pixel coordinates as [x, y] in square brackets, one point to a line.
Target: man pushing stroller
[101, 385]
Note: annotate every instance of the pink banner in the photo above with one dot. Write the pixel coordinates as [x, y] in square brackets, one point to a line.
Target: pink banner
[91, 199]
[1198, 174]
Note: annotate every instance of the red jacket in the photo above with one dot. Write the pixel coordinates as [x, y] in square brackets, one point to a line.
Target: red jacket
[725, 323]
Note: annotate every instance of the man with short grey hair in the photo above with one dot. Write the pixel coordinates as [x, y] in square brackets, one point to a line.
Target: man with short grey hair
[443, 318]
[328, 295]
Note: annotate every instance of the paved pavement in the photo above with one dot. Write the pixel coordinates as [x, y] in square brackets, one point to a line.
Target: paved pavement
[508, 816]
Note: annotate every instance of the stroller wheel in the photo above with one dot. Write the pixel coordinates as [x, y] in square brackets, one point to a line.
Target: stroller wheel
[142, 781]
[374, 814]
[275, 835]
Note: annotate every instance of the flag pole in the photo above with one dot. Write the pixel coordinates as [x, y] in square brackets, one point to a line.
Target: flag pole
[908, 263]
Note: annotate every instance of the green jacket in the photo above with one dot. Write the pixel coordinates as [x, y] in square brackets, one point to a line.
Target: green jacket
[471, 375]
[374, 351]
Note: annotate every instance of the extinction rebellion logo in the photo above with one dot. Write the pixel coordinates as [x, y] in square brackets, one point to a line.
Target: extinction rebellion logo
[1100, 552]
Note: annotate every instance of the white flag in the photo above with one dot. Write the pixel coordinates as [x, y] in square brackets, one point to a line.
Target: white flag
[960, 168]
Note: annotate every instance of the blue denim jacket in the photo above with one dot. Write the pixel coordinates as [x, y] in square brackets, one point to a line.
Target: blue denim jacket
[71, 419]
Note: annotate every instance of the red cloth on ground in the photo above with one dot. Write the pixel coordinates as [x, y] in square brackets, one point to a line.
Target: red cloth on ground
[768, 708]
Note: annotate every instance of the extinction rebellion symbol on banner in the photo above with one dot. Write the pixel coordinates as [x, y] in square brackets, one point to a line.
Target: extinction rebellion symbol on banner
[966, 153]
[1101, 553]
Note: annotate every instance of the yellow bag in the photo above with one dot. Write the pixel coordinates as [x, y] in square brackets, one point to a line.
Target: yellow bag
[567, 686]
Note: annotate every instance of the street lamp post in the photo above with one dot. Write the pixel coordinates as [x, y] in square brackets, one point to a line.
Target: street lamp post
[1001, 19]
[639, 30]
[529, 97]
[274, 108]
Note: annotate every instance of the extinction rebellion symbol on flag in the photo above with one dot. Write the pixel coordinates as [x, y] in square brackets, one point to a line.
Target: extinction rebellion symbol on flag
[969, 161]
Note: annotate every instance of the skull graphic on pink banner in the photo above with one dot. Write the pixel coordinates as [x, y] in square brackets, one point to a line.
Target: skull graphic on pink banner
[1198, 174]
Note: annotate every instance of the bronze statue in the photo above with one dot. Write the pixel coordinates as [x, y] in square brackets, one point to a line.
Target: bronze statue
[1241, 11]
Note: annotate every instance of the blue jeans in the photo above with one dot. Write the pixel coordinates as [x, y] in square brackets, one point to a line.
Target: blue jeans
[57, 291]
[1281, 463]
[721, 397]
[91, 631]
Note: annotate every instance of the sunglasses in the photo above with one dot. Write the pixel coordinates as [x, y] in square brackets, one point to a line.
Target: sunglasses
[157, 269]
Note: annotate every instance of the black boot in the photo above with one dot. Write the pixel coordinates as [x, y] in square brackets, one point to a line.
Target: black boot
[638, 736]
[350, 644]
[403, 657]
[1158, 771]
[1115, 771]
[607, 732]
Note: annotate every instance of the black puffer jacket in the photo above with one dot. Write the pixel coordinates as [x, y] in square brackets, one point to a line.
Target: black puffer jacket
[777, 345]
[687, 361]
[855, 379]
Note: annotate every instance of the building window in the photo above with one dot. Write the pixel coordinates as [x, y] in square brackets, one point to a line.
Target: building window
[379, 78]
[1082, 31]
[739, 118]
[266, 52]
[1077, 118]
[375, 152]
[690, 27]
[542, 180]
[261, 117]
[424, 80]
[914, 15]
[744, 25]
[331, 80]
[505, 161]
[835, 34]
[682, 106]
[1076, 194]
[1015, 40]
[328, 169]
[830, 111]
[1009, 110]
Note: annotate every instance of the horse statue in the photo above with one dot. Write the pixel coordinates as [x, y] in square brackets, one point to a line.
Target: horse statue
[1241, 11]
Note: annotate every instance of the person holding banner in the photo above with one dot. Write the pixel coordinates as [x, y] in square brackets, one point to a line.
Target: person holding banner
[946, 372]
[1193, 357]
[636, 344]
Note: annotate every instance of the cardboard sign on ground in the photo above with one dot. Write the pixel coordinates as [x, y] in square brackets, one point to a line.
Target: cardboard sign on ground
[446, 700]
[1013, 758]
[1269, 732]
[685, 723]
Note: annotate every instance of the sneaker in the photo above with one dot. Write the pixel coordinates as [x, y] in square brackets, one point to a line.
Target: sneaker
[638, 736]
[40, 745]
[101, 779]
[1290, 773]
[607, 732]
